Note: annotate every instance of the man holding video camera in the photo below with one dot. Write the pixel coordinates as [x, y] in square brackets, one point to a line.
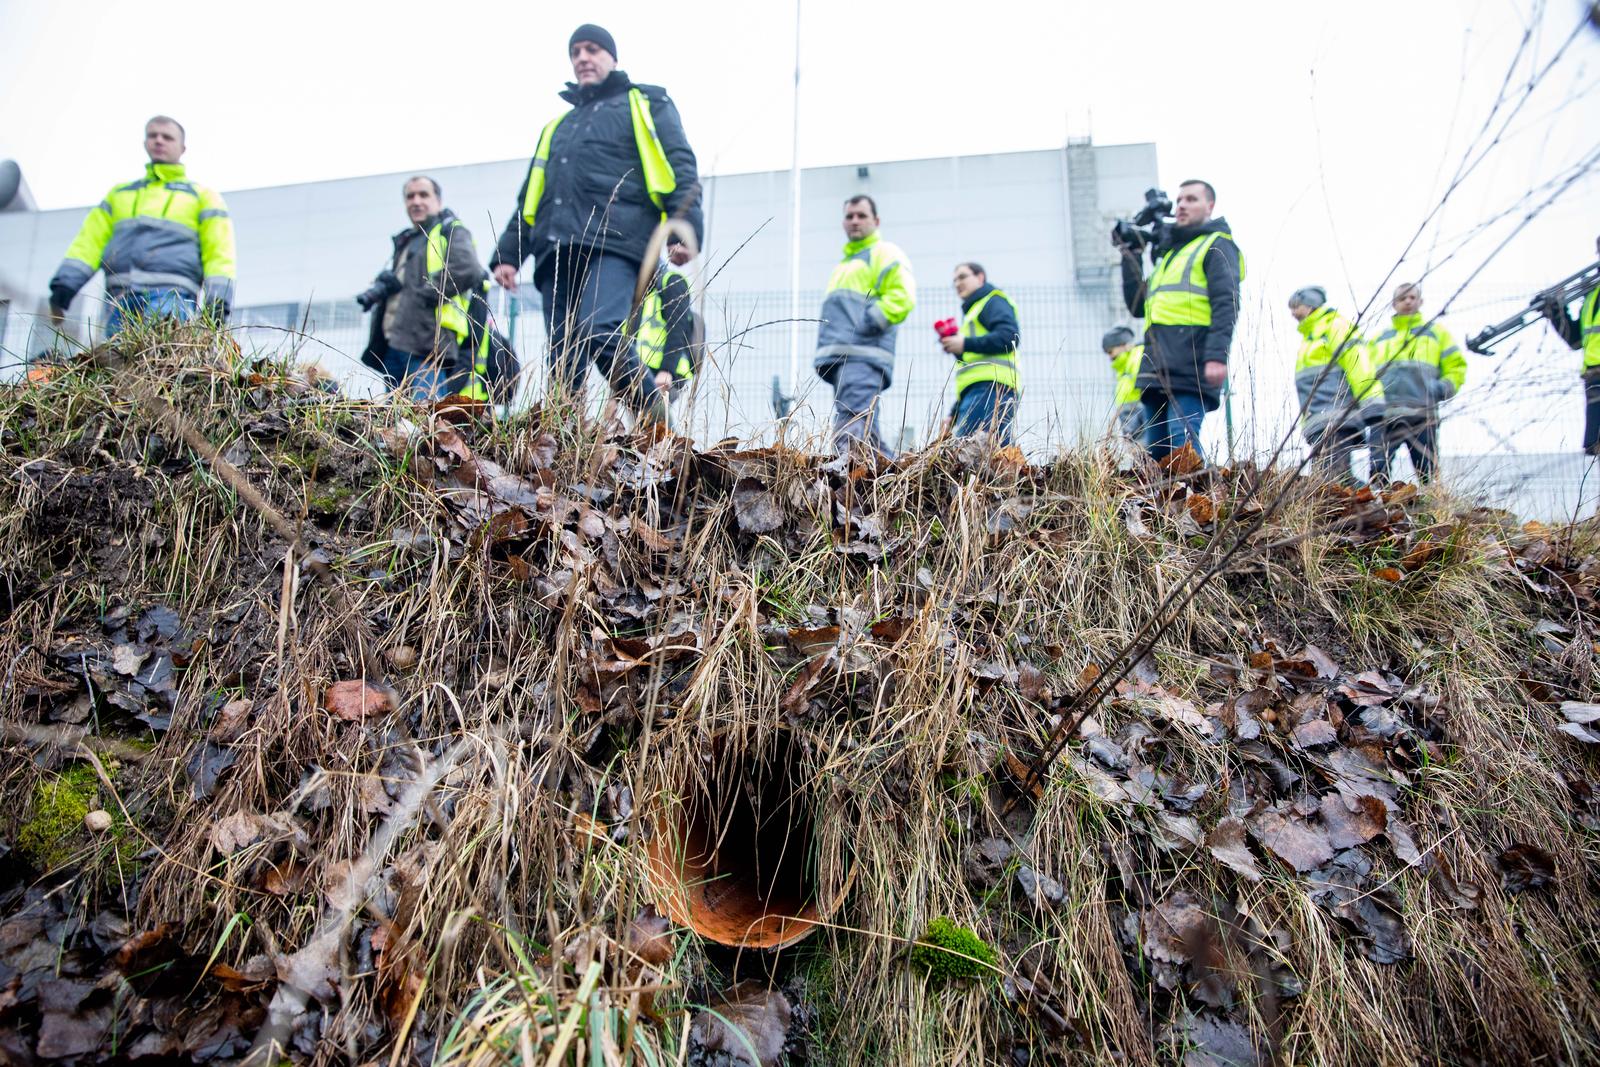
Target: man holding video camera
[1190, 304]
[420, 304]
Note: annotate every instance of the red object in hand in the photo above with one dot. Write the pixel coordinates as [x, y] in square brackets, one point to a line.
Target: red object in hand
[947, 327]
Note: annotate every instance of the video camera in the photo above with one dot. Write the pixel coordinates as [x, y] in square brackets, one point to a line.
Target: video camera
[1156, 215]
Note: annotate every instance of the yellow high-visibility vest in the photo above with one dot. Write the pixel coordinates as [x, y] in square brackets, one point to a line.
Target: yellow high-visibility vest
[659, 178]
[1177, 294]
[1001, 369]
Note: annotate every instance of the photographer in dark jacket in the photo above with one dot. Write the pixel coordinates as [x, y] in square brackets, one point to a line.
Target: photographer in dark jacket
[419, 303]
[1190, 304]
[603, 176]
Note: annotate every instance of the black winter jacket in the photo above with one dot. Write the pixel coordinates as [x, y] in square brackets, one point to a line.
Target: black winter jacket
[998, 318]
[594, 190]
[416, 321]
[1175, 356]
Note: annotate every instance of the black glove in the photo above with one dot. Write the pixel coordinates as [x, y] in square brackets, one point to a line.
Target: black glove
[1553, 309]
[383, 287]
[61, 298]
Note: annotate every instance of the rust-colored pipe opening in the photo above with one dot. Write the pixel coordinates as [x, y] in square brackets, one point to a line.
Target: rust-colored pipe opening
[734, 862]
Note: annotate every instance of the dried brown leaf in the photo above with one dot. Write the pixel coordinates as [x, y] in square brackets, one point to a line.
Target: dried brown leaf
[1314, 733]
[1525, 867]
[1353, 820]
[233, 832]
[750, 1017]
[755, 508]
[354, 700]
[1301, 845]
[1227, 843]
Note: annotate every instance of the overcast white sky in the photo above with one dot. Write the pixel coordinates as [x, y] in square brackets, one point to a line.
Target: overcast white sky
[1330, 129]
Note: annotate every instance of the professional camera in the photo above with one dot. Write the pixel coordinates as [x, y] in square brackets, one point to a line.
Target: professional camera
[384, 286]
[1156, 214]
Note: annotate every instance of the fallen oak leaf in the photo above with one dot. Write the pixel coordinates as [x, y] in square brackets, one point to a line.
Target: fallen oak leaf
[1314, 733]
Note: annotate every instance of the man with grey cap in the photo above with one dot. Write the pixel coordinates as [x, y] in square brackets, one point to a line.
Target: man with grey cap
[1126, 355]
[1339, 394]
[603, 176]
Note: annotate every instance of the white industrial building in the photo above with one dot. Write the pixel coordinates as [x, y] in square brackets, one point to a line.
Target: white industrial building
[1037, 220]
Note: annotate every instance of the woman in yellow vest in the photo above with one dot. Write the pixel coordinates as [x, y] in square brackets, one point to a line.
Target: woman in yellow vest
[987, 383]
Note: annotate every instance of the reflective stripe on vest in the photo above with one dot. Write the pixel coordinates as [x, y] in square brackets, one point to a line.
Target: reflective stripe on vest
[453, 318]
[1000, 369]
[659, 178]
[652, 336]
[1589, 324]
[1126, 367]
[451, 313]
[1177, 295]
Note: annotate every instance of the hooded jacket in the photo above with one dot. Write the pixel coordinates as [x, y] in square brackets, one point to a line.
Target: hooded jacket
[1419, 365]
[414, 326]
[1175, 356]
[1333, 375]
[162, 231]
[595, 195]
[869, 295]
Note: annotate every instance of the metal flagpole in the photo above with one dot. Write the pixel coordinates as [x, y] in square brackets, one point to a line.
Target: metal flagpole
[794, 222]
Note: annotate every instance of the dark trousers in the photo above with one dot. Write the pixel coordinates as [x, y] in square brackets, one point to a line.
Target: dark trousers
[420, 375]
[587, 296]
[857, 387]
[1419, 436]
[986, 407]
[1591, 414]
[1332, 450]
[1172, 420]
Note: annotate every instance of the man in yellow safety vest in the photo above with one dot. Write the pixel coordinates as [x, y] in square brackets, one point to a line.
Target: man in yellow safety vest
[1120, 344]
[1190, 304]
[420, 303]
[164, 243]
[603, 176]
[869, 295]
[1583, 333]
[1340, 395]
[1420, 367]
[987, 382]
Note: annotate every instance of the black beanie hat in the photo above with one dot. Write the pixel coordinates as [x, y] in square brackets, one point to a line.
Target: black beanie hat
[590, 32]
